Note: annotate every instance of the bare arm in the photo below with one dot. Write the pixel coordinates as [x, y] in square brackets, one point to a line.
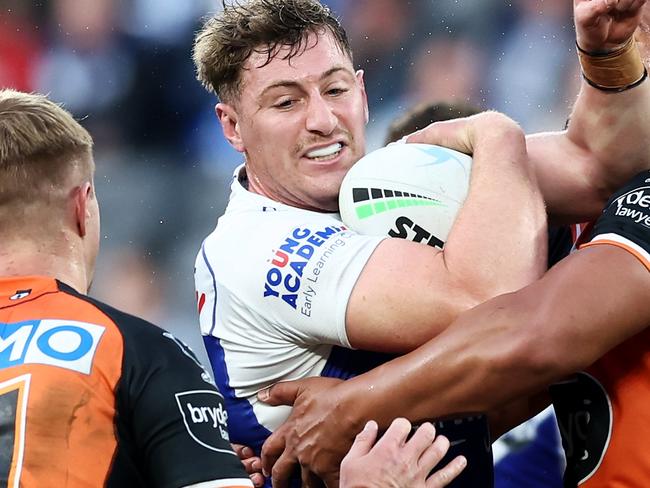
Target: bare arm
[511, 346]
[503, 350]
[408, 292]
[608, 137]
[516, 344]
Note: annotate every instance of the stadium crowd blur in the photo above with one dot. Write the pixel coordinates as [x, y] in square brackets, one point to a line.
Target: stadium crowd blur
[123, 68]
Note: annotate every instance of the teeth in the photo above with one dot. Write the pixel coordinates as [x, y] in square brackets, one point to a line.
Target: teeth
[325, 151]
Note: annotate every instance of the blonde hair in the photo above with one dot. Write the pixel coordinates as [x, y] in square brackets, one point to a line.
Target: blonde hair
[41, 145]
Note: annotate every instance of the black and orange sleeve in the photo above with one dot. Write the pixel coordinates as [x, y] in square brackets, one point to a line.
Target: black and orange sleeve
[625, 221]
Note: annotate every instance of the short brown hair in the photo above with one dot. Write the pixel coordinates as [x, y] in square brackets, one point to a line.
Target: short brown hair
[424, 114]
[228, 38]
[40, 145]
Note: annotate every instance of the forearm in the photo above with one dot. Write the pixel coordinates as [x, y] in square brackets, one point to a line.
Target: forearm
[468, 368]
[498, 242]
[513, 345]
[614, 130]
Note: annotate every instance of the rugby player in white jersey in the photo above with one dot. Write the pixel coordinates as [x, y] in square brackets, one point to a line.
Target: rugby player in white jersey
[285, 290]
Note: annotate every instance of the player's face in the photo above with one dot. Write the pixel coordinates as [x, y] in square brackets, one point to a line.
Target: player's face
[300, 123]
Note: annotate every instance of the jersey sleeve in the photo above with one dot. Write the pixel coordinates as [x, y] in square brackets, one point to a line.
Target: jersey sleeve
[625, 221]
[175, 414]
[295, 287]
[308, 295]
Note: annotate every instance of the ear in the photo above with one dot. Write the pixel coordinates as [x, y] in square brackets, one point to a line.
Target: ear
[82, 195]
[229, 120]
[362, 86]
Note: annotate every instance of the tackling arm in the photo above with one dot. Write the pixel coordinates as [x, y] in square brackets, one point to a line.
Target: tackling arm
[512, 346]
[515, 344]
[497, 244]
[509, 347]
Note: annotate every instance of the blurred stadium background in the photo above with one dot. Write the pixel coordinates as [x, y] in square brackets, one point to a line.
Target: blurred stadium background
[123, 68]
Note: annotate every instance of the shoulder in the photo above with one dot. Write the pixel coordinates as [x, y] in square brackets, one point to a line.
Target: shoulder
[257, 233]
[625, 221]
[143, 342]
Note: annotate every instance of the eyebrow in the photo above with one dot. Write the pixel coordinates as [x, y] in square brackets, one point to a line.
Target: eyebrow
[292, 83]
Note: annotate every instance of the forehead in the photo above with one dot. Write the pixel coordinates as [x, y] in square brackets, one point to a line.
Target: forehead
[322, 53]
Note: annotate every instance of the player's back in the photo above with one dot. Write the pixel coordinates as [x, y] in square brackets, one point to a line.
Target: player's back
[83, 401]
[58, 385]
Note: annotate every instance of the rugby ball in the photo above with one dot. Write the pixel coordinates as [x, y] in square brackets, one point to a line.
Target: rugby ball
[412, 191]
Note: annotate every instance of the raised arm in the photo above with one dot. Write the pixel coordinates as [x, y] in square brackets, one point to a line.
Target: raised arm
[608, 137]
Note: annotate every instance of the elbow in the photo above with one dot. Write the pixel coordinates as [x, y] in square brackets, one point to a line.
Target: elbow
[464, 298]
[475, 292]
[479, 287]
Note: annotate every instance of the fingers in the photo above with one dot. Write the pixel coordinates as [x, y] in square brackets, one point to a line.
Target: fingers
[237, 448]
[332, 480]
[453, 134]
[629, 7]
[246, 455]
[283, 393]
[446, 475]
[396, 433]
[257, 479]
[464, 134]
[272, 449]
[282, 470]
[252, 465]
[364, 440]
[588, 13]
[310, 480]
[286, 392]
[243, 452]
[434, 453]
[421, 440]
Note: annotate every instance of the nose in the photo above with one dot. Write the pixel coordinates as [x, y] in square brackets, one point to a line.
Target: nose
[320, 116]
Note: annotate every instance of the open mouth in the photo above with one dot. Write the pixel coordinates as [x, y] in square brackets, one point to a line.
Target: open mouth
[326, 153]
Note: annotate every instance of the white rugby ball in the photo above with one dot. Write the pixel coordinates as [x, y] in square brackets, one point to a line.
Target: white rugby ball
[412, 191]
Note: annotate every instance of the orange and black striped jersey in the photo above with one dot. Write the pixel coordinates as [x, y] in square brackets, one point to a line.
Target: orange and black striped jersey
[91, 396]
[603, 412]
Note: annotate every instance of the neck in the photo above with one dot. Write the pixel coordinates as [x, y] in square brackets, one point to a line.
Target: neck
[252, 183]
[23, 259]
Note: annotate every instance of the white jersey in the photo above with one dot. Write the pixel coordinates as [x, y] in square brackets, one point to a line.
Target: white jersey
[273, 284]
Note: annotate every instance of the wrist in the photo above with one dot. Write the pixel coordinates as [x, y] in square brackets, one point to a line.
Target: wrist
[353, 408]
[599, 49]
[615, 70]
